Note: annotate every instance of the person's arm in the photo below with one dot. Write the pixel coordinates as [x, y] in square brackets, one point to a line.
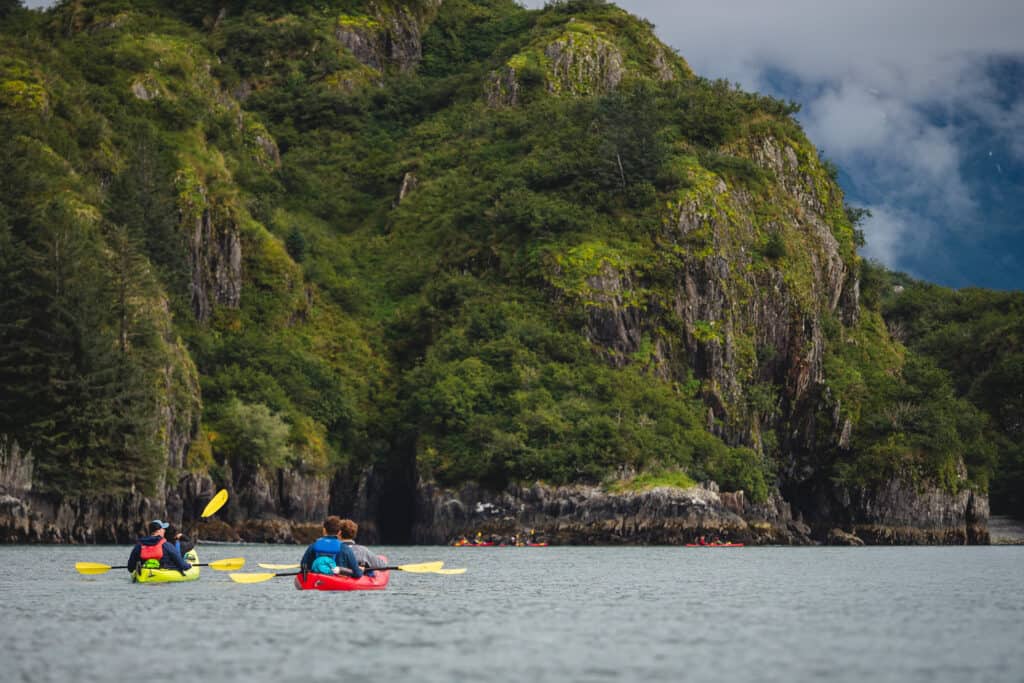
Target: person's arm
[367, 558]
[307, 559]
[175, 557]
[133, 559]
[376, 561]
[347, 559]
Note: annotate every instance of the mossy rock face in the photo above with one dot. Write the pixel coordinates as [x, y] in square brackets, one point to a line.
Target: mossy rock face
[583, 58]
[389, 34]
[261, 144]
[582, 62]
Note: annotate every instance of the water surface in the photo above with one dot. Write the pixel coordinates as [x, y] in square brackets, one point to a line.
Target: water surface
[530, 614]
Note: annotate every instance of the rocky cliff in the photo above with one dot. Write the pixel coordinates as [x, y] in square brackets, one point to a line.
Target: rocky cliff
[600, 269]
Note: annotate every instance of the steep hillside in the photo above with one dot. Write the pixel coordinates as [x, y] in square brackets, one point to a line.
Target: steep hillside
[358, 254]
[978, 337]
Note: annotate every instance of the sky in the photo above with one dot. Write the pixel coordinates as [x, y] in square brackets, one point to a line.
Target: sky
[919, 102]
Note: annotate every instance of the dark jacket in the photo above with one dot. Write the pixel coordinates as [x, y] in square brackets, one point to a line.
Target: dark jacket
[330, 546]
[184, 544]
[171, 559]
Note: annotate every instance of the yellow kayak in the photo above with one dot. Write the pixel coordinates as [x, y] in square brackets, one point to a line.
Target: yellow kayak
[169, 575]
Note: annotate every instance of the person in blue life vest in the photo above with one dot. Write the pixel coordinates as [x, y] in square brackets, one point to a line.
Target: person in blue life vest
[154, 552]
[366, 559]
[328, 555]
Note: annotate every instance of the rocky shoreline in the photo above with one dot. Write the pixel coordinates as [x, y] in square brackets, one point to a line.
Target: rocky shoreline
[287, 507]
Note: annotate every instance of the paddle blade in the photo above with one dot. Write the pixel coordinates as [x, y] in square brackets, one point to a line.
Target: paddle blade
[422, 568]
[251, 578]
[265, 565]
[228, 565]
[460, 570]
[216, 503]
[89, 568]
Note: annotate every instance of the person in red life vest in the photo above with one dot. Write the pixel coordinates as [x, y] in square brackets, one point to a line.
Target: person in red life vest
[154, 551]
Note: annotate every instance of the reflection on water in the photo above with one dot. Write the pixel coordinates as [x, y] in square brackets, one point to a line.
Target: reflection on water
[533, 614]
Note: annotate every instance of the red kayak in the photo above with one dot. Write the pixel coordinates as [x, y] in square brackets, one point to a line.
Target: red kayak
[331, 582]
[714, 545]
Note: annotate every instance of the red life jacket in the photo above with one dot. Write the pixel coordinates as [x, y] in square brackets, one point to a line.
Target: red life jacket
[152, 552]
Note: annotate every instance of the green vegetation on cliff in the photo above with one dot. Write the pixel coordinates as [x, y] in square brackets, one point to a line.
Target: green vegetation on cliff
[491, 243]
[977, 336]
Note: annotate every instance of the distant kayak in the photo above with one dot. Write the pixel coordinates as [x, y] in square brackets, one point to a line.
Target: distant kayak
[331, 582]
[714, 545]
[169, 575]
[488, 544]
[485, 544]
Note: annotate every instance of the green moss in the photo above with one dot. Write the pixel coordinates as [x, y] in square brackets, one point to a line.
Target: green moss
[361, 22]
[21, 86]
[589, 53]
[257, 140]
[23, 95]
[647, 481]
[192, 199]
[577, 270]
[707, 331]
[200, 453]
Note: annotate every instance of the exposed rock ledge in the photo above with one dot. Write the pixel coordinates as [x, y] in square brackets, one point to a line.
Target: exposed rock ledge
[589, 515]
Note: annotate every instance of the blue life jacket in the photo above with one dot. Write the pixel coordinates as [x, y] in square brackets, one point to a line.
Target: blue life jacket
[325, 550]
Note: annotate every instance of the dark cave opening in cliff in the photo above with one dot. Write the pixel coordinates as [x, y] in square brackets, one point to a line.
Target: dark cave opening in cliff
[396, 508]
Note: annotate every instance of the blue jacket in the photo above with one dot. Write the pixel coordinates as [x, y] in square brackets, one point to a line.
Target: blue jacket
[172, 559]
[331, 546]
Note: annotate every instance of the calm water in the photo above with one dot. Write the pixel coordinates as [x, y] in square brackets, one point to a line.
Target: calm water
[530, 614]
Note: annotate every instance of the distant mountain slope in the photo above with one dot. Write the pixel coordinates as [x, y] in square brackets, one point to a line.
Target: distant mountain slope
[327, 254]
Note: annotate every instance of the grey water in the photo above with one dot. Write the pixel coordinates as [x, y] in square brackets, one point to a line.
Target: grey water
[529, 614]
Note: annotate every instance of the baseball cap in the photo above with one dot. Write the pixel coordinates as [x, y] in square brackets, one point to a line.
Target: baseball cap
[157, 524]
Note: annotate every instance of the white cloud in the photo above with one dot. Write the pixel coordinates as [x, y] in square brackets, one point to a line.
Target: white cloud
[889, 231]
[890, 91]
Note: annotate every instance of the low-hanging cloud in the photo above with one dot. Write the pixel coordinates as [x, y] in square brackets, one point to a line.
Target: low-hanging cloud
[890, 90]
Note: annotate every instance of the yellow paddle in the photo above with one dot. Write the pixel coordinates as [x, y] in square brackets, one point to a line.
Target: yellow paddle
[216, 503]
[428, 568]
[228, 565]
[422, 568]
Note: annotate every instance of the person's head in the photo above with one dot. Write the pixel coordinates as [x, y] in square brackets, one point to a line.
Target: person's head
[332, 525]
[158, 528]
[349, 529]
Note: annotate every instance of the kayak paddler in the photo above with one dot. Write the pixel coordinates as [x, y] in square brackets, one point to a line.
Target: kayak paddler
[328, 555]
[154, 552]
[364, 557]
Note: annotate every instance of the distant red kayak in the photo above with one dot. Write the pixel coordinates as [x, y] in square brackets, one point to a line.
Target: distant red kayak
[714, 545]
